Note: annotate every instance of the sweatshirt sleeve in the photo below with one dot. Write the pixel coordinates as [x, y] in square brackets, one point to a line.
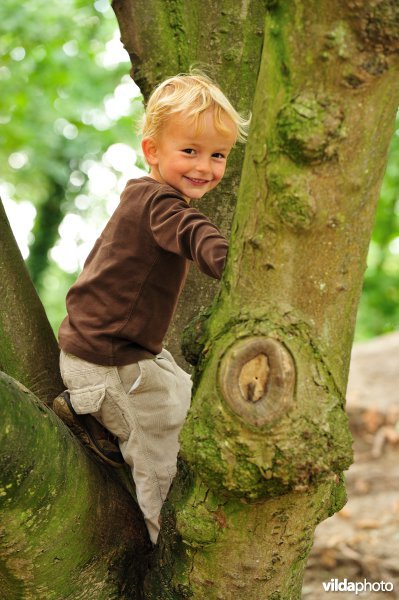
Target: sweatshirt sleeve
[183, 230]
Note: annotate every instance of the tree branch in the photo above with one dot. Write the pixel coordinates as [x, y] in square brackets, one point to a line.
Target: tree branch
[28, 349]
[68, 528]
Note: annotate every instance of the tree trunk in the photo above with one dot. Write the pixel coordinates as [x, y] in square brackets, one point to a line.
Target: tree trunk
[49, 215]
[28, 349]
[267, 440]
[68, 529]
[225, 38]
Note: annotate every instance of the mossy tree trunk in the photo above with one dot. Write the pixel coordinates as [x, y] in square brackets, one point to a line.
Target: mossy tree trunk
[28, 349]
[68, 528]
[267, 440]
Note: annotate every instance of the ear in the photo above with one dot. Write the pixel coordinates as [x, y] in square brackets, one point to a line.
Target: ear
[150, 151]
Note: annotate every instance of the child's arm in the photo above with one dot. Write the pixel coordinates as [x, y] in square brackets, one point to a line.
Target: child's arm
[183, 230]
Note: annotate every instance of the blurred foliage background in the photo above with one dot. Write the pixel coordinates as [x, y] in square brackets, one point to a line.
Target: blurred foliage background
[379, 304]
[68, 110]
[68, 143]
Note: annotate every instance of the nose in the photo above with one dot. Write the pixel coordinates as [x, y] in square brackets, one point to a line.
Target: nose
[203, 164]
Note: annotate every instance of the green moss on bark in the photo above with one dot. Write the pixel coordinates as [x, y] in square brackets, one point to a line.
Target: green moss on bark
[28, 349]
[310, 128]
[68, 527]
[272, 564]
[309, 443]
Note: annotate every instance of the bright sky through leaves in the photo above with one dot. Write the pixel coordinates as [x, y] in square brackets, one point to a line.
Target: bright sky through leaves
[77, 233]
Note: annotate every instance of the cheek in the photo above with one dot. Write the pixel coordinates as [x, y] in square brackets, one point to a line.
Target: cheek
[219, 172]
[180, 165]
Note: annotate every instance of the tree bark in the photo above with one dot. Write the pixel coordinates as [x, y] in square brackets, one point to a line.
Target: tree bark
[167, 37]
[68, 528]
[267, 440]
[28, 349]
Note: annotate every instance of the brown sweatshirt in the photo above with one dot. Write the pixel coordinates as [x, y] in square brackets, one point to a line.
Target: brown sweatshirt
[121, 305]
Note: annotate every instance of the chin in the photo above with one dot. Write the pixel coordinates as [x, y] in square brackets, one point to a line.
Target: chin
[197, 196]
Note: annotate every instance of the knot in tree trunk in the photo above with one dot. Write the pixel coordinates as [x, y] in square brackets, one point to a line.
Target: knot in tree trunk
[257, 379]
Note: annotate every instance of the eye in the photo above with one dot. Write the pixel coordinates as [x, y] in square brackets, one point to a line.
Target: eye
[188, 151]
[218, 155]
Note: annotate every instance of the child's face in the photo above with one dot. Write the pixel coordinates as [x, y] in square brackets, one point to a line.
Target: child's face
[193, 162]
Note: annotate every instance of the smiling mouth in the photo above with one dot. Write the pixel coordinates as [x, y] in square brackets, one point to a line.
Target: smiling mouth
[195, 181]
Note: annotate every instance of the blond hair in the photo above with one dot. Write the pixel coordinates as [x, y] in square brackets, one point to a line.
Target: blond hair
[193, 94]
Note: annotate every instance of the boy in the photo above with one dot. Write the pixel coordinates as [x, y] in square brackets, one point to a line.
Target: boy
[120, 307]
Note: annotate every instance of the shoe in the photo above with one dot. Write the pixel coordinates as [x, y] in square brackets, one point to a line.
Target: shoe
[89, 431]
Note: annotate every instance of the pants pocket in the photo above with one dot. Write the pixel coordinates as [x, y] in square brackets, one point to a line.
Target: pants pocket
[130, 376]
[88, 399]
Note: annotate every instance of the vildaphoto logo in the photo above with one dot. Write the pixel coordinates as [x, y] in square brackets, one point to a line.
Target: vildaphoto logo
[343, 585]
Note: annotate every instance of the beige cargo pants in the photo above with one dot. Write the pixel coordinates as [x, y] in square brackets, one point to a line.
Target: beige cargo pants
[144, 405]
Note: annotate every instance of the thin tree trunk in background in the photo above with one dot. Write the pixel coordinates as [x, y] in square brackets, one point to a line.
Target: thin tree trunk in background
[225, 38]
[48, 218]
